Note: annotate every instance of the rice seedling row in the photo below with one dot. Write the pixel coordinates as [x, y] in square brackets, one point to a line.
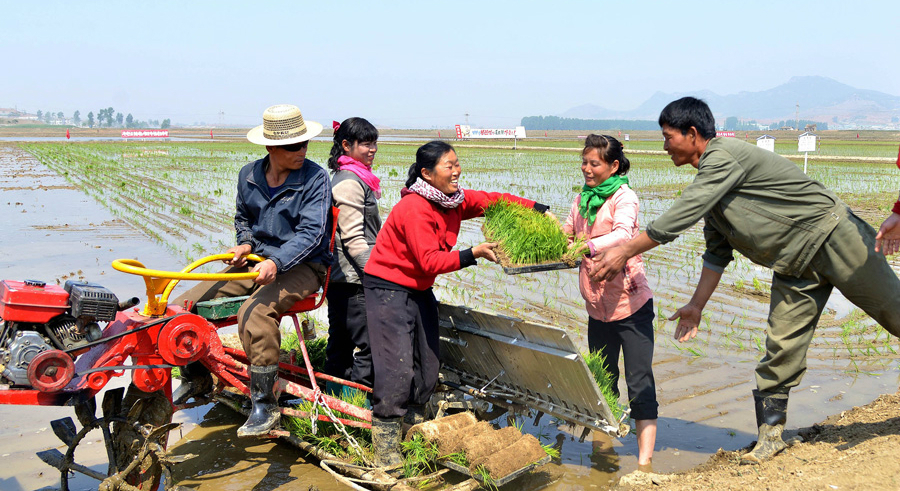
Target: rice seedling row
[182, 195]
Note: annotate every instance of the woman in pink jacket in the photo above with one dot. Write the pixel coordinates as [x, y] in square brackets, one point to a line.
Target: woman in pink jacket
[620, 309]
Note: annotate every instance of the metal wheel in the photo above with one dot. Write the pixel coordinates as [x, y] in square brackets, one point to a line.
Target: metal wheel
[134, 427]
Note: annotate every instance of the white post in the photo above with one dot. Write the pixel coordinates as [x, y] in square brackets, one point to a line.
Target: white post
[515, 142]
[805, 156]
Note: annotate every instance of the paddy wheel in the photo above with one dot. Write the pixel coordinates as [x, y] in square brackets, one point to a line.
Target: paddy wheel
[135, 428]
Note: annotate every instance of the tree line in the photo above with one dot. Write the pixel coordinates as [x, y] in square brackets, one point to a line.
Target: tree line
[732, 123]
[558, 123]
[105, 118]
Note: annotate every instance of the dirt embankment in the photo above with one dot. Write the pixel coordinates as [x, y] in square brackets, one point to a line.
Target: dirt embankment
[853, 450]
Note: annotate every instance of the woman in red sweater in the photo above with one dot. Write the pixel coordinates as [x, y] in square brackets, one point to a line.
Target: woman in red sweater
[413, 247]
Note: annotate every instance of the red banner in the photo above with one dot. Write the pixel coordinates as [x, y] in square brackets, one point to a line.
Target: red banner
[145, 133]
[727, 134]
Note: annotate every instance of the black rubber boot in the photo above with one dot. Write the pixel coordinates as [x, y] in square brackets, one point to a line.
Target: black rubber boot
[195, 380]
[265, 414]
[771, 415]
[386, 441]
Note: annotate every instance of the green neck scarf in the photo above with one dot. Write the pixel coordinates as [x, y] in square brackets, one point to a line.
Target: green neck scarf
[593, 198]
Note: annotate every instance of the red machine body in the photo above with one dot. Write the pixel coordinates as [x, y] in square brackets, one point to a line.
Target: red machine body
[31, 301]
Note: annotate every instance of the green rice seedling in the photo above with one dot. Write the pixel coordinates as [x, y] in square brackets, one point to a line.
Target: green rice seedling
[696, 351]
[486, 480]
[418, 456]
[552, 451]
[327, 435]
[315, 348]
[759, 344]
[526, 237]
[759, 286]
[596, 363]
[458, 458]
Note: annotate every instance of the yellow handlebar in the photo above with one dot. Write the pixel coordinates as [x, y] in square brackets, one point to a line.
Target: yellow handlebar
[162, 282]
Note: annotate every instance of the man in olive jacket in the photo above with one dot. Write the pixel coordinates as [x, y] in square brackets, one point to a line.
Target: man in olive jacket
[762, 205]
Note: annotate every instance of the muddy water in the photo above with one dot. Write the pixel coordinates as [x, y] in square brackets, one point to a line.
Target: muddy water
[54, 232]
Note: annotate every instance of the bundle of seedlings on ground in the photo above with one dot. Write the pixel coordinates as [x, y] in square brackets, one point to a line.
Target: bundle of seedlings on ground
[327, 436]
[596, 363]
[528, 238]
[419, 456]
[315, 348]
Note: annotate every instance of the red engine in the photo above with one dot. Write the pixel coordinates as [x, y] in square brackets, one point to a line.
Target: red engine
[42, 326]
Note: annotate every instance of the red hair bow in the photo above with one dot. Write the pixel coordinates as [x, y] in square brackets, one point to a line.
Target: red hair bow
[335, 125]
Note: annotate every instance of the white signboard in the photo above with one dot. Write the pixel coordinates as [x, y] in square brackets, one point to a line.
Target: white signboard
[806, 143]
[766, 143]
[465, 131]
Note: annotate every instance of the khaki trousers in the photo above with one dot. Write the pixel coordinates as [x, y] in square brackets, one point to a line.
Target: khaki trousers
[259, 316]
[848, 261]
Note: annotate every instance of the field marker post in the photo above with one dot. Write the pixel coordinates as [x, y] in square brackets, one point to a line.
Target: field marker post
[806, 143]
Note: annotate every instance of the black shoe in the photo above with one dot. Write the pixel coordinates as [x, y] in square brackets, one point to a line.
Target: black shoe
[265, 414]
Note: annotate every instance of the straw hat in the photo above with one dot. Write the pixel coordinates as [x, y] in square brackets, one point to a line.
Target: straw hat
[283, 125]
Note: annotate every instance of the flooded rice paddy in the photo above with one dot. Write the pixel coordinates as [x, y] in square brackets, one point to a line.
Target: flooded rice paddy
[70, 208]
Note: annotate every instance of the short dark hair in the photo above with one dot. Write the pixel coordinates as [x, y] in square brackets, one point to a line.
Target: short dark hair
[427, 157]
[609, 149]
[687, 112]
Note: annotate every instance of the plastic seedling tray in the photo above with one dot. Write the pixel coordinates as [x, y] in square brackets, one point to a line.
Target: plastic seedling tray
[534, 268]
[496, 482]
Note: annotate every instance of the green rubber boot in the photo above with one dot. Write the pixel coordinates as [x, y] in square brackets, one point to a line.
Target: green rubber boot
[771, 415]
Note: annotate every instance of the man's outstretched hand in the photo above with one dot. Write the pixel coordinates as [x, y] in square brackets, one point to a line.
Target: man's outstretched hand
[888, 238]
[688, 320]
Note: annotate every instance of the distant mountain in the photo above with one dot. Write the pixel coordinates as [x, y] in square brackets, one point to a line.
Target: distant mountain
[820, 98]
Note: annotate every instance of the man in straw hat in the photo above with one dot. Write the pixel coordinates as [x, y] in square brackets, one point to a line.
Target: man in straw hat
[283, 214]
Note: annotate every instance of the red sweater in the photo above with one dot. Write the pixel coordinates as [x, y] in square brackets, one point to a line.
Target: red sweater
[415, 244]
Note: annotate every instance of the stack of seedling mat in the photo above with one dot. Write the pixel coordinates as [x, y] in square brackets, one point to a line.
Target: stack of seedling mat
[529, 241]
[476, 449]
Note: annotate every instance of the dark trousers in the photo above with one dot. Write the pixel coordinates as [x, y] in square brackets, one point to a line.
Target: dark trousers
[633, 336]
[347, 331]
[848, 261]
[403, 333]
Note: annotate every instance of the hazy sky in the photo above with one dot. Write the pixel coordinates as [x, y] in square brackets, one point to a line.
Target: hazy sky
[425, 64]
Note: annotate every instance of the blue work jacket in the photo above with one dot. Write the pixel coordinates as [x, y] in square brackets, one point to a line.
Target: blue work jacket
[292, 226]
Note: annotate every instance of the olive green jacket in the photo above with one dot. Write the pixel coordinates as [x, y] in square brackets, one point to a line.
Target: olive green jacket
[755, 202]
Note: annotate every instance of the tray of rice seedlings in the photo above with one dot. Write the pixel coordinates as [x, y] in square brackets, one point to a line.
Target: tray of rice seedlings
[527, 241]
[477, 449]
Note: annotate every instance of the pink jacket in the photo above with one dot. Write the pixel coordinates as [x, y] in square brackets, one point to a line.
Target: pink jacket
[616, 223]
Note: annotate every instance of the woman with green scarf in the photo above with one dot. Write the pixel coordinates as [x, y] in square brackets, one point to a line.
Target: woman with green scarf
[620, 310]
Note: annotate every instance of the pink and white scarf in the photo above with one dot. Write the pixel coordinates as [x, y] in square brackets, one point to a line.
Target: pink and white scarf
[433, 194]
[363, 171]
